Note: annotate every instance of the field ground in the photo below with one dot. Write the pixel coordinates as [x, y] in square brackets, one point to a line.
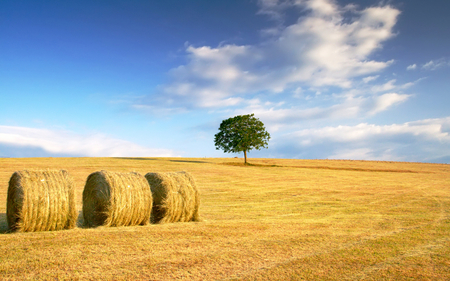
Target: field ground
[275, 220]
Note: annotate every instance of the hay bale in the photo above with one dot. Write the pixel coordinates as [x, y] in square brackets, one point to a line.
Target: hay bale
[175, 197]
[41, 201]
[116, 199]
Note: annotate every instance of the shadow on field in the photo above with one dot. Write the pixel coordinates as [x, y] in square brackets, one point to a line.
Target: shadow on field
[80, 220]
[136, 158]
[3, 223]
[188, 161]
[156, 159]
[250, 164]
[325, 168]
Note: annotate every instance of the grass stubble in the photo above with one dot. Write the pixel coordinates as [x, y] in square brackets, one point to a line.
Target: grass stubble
[276, 220]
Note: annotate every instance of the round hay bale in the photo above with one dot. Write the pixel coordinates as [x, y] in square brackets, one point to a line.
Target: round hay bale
[41, 201]
[175, 197]
[116, 199]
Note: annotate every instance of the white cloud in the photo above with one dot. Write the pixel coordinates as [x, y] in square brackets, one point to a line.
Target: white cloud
[370, 78]
[385, 101]
[424, 140]
[390, 85]
[362, 154]
[68, 143]
[385, 87]
[436, 64]
[323, 48]
[278, 116]
[431, 129]
[412, 67]
[407, 85]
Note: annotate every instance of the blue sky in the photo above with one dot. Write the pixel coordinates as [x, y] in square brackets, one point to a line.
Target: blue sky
[330, 79]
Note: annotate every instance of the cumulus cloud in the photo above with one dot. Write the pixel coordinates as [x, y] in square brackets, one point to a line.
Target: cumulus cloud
[424, 140]
[324, 48]
[412, 67]
[52, 142]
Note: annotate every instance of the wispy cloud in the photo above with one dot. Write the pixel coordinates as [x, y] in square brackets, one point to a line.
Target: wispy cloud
[391, 85]
[370, 78]
[57, 142]
[436, 64]
[383, 102]
[324, 48]
[424, 140]
[385, 87]
[278, 116]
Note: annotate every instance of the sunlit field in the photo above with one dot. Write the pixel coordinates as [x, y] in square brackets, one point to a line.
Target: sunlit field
[272, 220]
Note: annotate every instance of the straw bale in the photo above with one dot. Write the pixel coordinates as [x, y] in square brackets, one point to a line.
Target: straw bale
[116, 199]
[175, 197]
[41, 200]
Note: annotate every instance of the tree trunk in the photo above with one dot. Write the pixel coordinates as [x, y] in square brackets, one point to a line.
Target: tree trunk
[245, 156]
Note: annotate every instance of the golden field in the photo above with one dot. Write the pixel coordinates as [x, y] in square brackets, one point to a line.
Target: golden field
[276, 219]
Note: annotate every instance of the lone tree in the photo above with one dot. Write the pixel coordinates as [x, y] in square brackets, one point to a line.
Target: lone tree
[241, 133]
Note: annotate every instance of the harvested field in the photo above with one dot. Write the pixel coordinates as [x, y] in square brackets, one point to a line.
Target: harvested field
[277, 219]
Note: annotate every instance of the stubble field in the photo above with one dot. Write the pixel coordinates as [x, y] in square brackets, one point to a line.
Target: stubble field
[274, 220]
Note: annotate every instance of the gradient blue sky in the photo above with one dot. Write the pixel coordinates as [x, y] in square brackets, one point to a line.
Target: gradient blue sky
[330, 79]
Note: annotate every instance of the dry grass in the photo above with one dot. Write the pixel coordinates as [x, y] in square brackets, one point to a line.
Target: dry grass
[277, 220]
[41, 201]
[175, 197]
[116, 199]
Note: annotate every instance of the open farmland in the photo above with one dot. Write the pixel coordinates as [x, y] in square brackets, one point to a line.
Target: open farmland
[275, 220]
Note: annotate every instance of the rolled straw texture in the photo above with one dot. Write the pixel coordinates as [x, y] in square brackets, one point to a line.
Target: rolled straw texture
[175, 197]
[116, 199]
[41, 201]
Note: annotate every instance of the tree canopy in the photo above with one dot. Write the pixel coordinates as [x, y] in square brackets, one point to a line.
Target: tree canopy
[241, 133]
